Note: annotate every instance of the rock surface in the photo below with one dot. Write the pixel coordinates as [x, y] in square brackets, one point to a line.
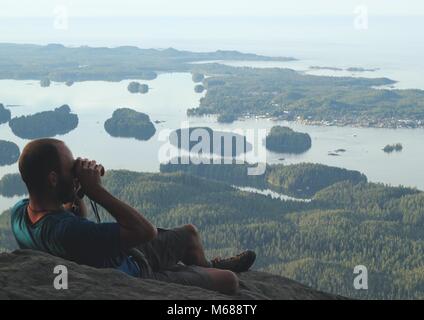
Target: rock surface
[26, 274]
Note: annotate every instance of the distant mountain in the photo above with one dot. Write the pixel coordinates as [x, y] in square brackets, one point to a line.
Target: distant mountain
[59, 63]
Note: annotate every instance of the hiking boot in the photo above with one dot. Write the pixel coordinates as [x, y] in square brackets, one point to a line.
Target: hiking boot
[239, 263]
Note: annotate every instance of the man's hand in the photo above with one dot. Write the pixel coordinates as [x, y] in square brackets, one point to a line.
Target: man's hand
[134, 229]
[88, 173]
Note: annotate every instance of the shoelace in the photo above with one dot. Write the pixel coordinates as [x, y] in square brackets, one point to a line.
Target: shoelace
[218, 259]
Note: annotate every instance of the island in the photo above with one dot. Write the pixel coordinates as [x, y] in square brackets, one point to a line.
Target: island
[284, 94]
[350, 69]
[9, 153]
[272, 93]
[302, 180]
[11, 185]
[44, 83]
[226, 118]
[205, 141]
[286, 140]
[198, 77]
[136, 87]
[85, 63]
[199, 88]
[398, 147]
[359, 69]
[5, 114]
[60, 121]
[325, 68]
[69, 83]
[128, 123]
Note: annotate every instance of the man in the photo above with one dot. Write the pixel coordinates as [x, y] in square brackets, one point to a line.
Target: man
[53, 220]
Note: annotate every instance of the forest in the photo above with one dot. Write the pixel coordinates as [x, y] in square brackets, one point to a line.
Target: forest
[205, 141]
[232, 92]
[317, 243]
[5, 114]
[56, 62]
[290, 95]
[137, 87]
[286, 140]
[9, 153]
[44, 124]
[128, 123]
[301, 180]
[12, 185]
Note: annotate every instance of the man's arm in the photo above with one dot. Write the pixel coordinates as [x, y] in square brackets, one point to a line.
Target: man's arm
[135, 229]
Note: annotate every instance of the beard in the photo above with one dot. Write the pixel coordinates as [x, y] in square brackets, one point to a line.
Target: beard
[65, 191]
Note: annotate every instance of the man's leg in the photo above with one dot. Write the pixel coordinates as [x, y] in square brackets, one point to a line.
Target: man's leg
[194, 253]
[223, 281]
[182, 244]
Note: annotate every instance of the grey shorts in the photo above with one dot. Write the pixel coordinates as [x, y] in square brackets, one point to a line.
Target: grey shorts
[160, 259]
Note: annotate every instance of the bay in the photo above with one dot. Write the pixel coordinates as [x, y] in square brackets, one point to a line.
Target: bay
[170, 96]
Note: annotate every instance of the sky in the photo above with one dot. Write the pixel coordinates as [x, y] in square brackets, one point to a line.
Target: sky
[80, 8]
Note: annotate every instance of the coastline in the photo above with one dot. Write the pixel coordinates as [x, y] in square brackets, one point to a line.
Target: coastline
[353, 123]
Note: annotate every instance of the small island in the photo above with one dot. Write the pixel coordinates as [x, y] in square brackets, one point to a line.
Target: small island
[9, 153]
[5, 114]
[128, 123]
[205, 141]
[286, 140]
[69, 83]
[325, 68]
[350, 69]
[11, 185]
[359, 69]
[226, 118]
[199, 88]
[45, 124]
[44, 83]
[398, 147]
[198, 77]
[136, 87]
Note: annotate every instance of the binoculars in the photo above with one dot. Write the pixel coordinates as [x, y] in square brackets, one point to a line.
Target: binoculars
[100, 169]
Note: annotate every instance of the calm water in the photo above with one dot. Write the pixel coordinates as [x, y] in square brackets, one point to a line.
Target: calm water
[272, 194]
[168, 100]
[94, 102]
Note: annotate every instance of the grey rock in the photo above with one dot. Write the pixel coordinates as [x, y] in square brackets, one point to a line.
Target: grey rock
[26, 274]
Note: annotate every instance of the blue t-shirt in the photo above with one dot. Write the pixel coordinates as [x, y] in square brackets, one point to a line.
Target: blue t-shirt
[65, 235]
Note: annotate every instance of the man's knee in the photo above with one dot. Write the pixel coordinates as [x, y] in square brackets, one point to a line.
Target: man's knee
[226, 282]
[191, 228]
[232, 282]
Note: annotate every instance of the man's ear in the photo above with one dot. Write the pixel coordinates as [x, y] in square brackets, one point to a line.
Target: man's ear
[52, 179]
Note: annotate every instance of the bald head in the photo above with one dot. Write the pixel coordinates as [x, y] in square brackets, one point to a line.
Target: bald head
[39, 159]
